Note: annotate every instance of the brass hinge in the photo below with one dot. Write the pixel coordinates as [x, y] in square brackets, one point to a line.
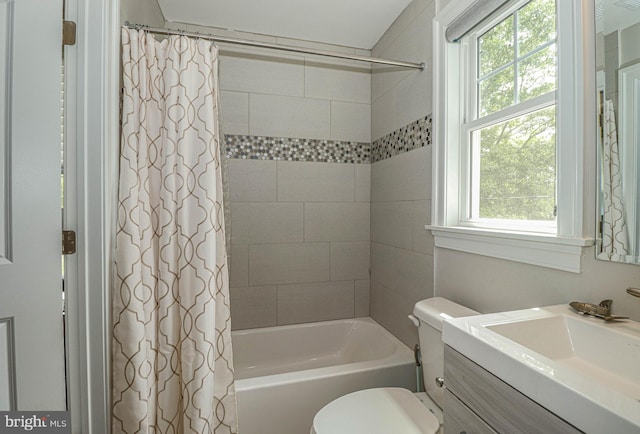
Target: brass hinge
[68, 242]
[68, 33]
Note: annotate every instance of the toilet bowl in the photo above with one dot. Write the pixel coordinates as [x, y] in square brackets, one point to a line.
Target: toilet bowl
[396, 410]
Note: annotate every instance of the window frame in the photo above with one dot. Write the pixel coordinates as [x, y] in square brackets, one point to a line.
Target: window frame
[560, 250]
[474, 121]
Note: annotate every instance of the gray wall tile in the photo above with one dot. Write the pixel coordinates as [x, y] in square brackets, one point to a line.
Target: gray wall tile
[329, 80]
[315, 302]
[315, 182]
[329, 221]
[252, 180]
[414, 275]
[288, 263]
[246, 71]
[375, 301]
[253, 307]
[266, 222]
[383, 265]
[363, 182]
[286, 116]
[361, 298]
[350, 260]
[234, 112]
[395, 309]
[239, 265]
[391, 223]
[404, 177]
[350, 121]
[422, 238]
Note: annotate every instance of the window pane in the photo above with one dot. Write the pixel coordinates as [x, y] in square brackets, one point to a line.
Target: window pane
[537, 74]
[495, 48]
[536, 25]
[517, 168]
[496, 92]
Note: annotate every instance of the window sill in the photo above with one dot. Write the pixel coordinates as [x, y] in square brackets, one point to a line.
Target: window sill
[548, 251]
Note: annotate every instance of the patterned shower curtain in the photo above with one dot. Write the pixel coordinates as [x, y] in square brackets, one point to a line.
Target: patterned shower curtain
[172, 364]
[615, 238]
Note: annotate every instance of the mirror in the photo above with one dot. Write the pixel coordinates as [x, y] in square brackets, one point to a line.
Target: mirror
[618, 86]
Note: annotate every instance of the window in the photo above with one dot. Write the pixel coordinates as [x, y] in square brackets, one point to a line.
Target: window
[510, 120]
[508, 134]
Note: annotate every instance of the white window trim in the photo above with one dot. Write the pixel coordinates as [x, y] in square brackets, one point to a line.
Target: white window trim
[561, 251]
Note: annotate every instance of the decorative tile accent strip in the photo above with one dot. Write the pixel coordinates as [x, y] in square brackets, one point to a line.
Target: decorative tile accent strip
[413, 136]
[291, 149]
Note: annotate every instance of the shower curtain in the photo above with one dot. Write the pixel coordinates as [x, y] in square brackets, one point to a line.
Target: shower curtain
[172, 364]
[615, 239]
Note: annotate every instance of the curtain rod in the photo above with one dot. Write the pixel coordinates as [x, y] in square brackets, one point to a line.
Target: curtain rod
[224, 39]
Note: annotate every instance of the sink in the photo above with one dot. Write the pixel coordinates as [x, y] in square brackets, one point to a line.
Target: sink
[602, 354]
[584, 369]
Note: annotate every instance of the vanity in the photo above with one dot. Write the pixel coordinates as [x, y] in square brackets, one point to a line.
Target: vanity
[541, 370]
[477, 401]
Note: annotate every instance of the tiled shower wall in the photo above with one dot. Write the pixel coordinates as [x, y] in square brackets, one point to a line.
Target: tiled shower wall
[298, 134]
[306, 233]
[299, 241]
[304, 223]
[401, 249]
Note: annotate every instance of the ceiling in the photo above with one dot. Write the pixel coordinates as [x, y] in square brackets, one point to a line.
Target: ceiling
[353, 23]
[612, 15]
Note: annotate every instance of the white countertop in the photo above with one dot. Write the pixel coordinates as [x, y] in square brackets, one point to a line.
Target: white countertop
[593, 399]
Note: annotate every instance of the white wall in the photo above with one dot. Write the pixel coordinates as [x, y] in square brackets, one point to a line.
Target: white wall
[141, 12]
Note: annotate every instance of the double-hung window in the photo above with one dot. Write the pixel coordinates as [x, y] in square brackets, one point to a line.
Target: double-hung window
[508, 133]
[510, 121]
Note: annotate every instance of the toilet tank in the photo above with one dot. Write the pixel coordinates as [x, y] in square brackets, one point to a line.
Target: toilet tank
[430, 313]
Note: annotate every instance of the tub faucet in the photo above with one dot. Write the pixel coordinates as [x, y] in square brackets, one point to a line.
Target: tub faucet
[602, 310]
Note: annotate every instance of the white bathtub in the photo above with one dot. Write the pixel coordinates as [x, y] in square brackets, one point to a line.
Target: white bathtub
[285, 374]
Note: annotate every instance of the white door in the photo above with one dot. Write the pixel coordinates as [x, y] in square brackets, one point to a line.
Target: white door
[30, 216]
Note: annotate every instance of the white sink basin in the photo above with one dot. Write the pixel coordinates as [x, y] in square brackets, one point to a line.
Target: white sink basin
[584, 369]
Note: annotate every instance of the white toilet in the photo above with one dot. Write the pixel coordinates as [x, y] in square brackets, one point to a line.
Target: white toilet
[392, 409]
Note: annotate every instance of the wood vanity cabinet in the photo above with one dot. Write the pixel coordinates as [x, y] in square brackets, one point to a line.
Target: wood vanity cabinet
[478, 402]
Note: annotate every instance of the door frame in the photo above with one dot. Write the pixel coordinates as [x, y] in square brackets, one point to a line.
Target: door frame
[91, 149]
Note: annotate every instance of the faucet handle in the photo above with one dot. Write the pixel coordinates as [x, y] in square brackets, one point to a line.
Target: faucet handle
[606, 304]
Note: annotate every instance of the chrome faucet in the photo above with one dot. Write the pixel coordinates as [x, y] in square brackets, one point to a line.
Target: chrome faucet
[602, 310]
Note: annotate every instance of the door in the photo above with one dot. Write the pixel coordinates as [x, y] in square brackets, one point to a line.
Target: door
[32, 347]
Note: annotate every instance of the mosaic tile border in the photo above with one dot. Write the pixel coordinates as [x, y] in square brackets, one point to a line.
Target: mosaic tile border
[413, 136]
[291, 149]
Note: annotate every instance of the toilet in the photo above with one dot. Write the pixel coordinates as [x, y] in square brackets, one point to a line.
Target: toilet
[393, 409]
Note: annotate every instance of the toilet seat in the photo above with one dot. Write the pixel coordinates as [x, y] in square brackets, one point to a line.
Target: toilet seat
[376, 411]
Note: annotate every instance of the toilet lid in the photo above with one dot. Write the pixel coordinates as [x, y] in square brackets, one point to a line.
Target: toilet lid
[376, 411]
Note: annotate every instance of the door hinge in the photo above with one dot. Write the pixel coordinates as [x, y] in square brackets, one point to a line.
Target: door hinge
[68, 242]
[68, 33]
